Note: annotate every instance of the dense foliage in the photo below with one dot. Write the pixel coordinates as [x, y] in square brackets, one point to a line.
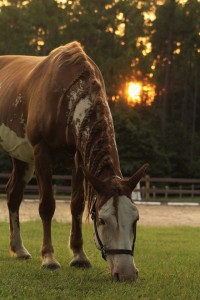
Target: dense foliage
[116, 35]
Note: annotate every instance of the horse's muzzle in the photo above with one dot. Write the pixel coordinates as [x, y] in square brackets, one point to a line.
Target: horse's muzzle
[123, 270]
[125, 276]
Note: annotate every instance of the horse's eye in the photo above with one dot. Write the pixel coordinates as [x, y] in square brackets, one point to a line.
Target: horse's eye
[101, 221]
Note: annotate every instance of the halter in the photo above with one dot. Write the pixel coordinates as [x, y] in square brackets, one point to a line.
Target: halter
[104, 251]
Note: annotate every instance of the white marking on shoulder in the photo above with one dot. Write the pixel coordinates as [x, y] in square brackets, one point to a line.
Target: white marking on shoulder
[17, 147]
[75, 91]
[18, 100]
[80, 111]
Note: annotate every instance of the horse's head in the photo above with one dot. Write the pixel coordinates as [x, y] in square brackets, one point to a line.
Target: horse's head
[115, 217]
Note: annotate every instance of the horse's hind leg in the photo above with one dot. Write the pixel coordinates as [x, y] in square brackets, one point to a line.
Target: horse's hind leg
[77, 207]
[21, 174]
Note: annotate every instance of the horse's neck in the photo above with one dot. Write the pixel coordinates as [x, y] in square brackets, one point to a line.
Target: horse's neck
[97, 145]
[94, 132]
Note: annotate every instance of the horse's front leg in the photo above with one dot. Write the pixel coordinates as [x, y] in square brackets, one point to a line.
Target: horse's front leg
[80, 259]
[43, 169]
[21, 174]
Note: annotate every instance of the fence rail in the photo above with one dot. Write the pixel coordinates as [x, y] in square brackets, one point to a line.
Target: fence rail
[150, 188]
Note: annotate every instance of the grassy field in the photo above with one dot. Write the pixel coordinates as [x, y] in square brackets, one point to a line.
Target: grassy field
[168, 260]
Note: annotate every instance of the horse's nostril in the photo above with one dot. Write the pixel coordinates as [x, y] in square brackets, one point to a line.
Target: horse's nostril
[116, 277]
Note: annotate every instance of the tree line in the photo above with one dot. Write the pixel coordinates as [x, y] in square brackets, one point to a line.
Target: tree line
[154, 42]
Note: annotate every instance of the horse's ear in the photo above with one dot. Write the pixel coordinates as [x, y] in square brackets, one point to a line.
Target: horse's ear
[96, 183]
[133, 181]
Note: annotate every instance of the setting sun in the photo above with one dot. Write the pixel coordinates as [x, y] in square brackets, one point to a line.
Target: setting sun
[134, 92]
[137, 92]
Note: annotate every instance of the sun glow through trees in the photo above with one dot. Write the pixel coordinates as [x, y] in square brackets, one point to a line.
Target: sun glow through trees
[137, 93]
[134, 92]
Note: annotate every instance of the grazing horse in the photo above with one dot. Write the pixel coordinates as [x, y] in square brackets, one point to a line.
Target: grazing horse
[54, 110]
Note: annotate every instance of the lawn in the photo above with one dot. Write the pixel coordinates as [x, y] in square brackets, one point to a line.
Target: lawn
[168, 260]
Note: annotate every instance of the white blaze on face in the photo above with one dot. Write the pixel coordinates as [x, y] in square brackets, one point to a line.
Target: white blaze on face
[118, 234]
[17, 147]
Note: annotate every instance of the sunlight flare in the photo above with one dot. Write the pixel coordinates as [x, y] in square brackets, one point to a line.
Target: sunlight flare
[138, 92]
[134, 92]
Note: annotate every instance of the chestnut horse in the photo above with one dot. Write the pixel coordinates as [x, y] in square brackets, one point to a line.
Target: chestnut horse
[54, 110]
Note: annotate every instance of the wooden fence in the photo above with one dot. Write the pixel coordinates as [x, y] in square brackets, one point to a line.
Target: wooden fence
[150, 188]
[153, 188]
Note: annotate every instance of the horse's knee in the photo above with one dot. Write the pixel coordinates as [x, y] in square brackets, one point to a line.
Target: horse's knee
[77, 207]
[14, 197]
[47, 209]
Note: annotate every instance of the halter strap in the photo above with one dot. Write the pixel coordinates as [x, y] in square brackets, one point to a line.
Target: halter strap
[104, 251]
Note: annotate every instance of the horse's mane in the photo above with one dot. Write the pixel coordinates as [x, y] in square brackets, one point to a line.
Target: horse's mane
[71, 53]
[96, 150]
[95, 131]
[66, 64]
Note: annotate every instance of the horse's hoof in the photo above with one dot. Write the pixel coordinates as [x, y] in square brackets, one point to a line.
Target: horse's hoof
[80, 264]
[21, 254]
[25, 257]
[52, 266]
[49, 262]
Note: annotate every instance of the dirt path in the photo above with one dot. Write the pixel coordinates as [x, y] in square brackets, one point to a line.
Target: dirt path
[150, 215]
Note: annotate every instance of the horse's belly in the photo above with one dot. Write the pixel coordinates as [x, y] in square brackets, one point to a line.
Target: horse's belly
[17, 147]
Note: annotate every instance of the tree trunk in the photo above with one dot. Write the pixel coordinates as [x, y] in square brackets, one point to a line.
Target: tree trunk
[169, 58]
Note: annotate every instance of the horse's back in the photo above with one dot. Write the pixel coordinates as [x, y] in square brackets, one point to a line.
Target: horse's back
[14, 71]
[32, 94]
[16, 64]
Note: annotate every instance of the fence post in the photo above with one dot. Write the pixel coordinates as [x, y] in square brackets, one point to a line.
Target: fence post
[54, 189]
[143, 192]
[192, 194]
[166, 191]
[180, 188]
[147, 187]
[154, 192]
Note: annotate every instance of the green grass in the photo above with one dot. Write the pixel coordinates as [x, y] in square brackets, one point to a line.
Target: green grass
[168, 260]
